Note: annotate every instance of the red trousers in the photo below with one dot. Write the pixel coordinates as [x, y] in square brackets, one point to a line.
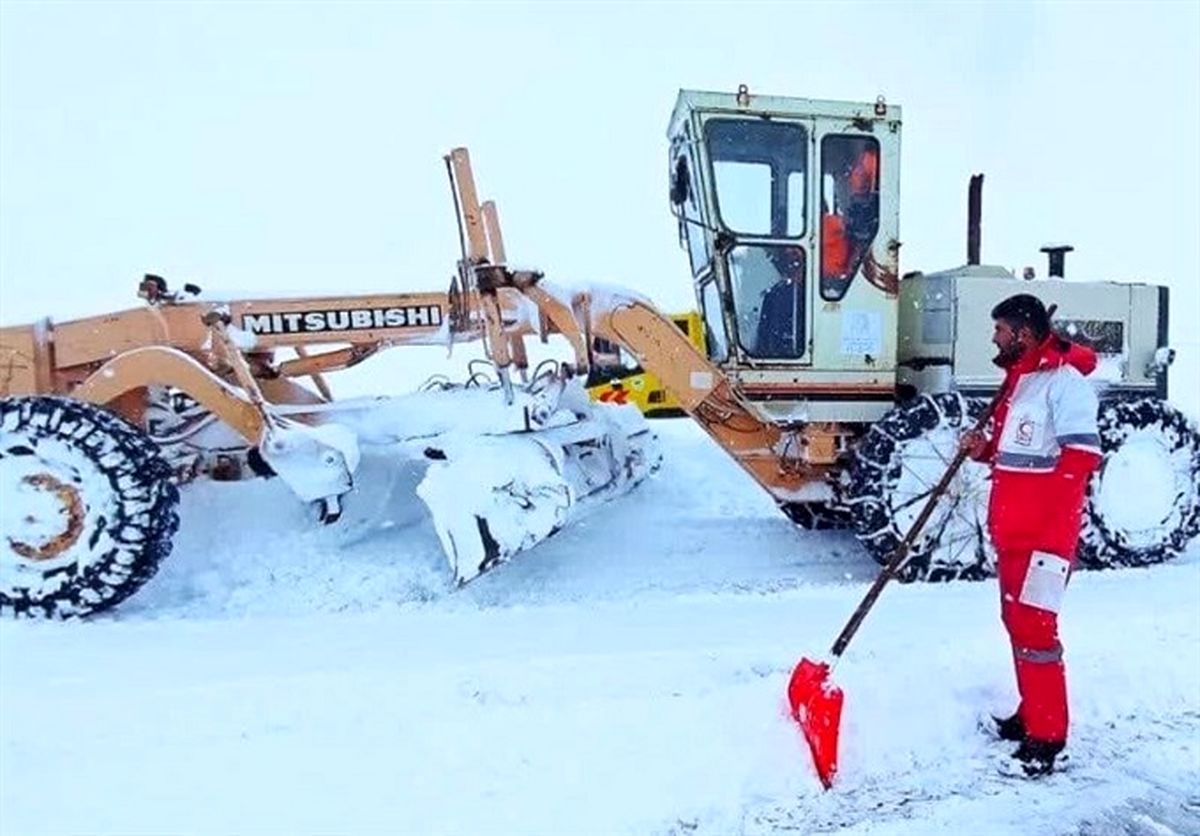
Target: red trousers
[1037, 652]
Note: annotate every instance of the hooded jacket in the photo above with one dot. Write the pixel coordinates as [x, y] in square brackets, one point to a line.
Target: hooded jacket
[1044, 447]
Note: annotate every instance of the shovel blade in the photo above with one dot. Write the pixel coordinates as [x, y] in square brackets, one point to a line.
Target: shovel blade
[817, 706]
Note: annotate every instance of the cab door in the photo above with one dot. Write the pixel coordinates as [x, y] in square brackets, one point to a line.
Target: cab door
[761, 196]
[857, 245]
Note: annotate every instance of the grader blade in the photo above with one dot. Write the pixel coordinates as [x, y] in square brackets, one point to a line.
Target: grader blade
[499, 477]
[493, 497]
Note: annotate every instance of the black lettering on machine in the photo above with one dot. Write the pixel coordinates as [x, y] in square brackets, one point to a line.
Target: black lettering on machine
[349, 319]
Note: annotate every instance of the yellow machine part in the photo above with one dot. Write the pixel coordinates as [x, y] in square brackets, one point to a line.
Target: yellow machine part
[617, 378]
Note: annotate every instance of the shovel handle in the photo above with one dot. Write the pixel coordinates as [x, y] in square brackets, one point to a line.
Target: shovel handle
[901, 552]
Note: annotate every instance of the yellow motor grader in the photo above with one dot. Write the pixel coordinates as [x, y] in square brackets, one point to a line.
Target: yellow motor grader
[102, 418]
[837, 385]
[616, 376]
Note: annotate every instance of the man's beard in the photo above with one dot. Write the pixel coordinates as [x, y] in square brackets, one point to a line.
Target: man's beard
[1006, 357]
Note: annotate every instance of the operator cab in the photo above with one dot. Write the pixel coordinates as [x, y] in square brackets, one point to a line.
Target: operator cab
[787, 210]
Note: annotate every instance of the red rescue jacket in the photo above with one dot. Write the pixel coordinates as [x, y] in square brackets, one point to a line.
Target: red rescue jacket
[1044, 446]
[835, 249]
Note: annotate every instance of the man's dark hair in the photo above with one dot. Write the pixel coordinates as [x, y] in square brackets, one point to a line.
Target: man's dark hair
[1024, 310]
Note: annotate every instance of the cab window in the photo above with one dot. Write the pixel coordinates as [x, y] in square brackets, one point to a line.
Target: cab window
[849, 209]
[610, 362]
[769, 298]
[759, 171]
[697, 235]
[714, 323]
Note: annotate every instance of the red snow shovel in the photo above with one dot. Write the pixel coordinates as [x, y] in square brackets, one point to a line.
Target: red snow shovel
[816, 702]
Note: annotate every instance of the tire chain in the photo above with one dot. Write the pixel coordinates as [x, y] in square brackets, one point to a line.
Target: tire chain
[145, 496]
[876, 471]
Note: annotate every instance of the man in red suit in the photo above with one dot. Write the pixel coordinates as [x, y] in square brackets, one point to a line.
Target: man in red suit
[1042, 450]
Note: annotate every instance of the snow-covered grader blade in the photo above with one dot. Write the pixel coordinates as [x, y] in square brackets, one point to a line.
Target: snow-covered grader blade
[102, 419]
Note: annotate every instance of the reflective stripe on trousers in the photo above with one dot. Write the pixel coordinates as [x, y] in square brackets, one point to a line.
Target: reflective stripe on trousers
[1039, 657]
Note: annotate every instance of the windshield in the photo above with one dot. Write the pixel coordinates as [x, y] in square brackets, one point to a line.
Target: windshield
[760, 171]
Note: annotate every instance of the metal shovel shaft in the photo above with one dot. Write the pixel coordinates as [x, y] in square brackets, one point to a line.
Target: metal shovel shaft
[901, 553]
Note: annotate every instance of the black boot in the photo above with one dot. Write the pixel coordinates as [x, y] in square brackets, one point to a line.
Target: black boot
[1007, 728]
[1035, 758]
[1010, 728]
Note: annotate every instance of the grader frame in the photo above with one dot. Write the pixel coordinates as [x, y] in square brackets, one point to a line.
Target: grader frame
[223, 354]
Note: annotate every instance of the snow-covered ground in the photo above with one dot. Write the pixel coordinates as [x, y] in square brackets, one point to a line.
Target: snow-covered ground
[626, 676]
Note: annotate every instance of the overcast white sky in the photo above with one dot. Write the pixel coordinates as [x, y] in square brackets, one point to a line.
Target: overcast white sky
[297, 146]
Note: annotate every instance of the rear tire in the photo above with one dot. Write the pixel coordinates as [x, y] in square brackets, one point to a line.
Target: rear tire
[88, 511]
[1143, 501]
[893, 472]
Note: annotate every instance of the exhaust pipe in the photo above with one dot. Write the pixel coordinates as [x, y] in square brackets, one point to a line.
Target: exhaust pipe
[1057, 254]
[974, 216]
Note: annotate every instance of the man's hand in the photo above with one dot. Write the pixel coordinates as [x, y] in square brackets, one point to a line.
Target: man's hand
[974, 443]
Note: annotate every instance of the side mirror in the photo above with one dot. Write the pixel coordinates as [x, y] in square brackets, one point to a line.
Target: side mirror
[680, 182]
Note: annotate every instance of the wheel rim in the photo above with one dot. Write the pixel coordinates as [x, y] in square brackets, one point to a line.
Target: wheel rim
[1139, 489]
[58, 501]
[48, 520]
[956, 533]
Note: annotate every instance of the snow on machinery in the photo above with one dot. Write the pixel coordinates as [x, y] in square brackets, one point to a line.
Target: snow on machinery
[102, 418]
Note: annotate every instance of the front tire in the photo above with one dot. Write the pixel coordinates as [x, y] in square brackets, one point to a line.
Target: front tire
[817, 516]
[894, 470]
[88, 511]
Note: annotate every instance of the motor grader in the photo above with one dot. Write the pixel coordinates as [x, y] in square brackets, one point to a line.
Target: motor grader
[837, 385]
[616, 376]
[101, 419]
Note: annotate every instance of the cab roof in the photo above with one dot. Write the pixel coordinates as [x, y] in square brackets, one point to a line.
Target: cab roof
[693, 100]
